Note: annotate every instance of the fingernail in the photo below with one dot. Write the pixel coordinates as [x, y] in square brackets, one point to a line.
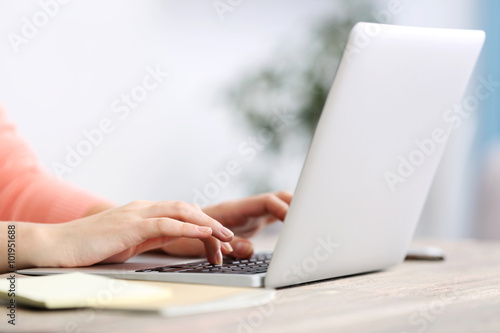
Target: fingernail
[218, 257]
[243, 249]
[226, 232]
[204, 229]
[227, 247]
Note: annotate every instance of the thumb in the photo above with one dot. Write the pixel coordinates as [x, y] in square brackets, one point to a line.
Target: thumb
[242, 247]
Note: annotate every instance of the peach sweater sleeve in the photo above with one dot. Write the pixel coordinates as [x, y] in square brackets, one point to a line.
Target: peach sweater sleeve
[27, 192]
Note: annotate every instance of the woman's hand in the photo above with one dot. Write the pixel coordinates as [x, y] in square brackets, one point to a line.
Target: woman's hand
[245, 217]
[117, 234]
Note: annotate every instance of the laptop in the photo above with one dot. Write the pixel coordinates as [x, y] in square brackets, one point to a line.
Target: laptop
[369, 168]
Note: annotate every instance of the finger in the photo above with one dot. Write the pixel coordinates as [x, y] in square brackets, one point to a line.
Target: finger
[226, 248]
[275, 206]
[262, 205]
[213, 250]
[252, 226]
[185, 247]
[150, 244]
[286, 196]
[161, 227]
[158, 242]
[191, 247]
[242, 247]
[188, 213]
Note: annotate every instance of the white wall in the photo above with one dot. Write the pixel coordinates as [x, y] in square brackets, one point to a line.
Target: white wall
[64, 80]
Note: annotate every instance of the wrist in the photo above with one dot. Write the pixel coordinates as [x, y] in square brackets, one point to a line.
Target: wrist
[96, 209]
[23, 241]
[37, 245]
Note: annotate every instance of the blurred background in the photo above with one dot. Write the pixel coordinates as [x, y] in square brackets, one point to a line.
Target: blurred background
[188, 87]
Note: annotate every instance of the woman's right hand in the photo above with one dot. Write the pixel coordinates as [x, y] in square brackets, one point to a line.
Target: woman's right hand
[117, 234]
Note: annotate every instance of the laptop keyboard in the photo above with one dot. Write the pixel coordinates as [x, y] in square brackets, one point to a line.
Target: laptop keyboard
[256, 265]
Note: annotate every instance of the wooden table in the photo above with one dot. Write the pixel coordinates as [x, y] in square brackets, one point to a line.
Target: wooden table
[460, 294]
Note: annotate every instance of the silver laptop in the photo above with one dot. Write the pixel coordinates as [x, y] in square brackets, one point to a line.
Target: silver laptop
[369, 168]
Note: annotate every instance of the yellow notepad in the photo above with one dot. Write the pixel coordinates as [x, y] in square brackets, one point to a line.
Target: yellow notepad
[76, 290]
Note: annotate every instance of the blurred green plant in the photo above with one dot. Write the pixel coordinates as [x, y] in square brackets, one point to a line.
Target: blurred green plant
[296, 79]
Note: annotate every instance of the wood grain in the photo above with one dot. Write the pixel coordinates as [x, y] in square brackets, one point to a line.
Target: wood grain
[460, 294]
